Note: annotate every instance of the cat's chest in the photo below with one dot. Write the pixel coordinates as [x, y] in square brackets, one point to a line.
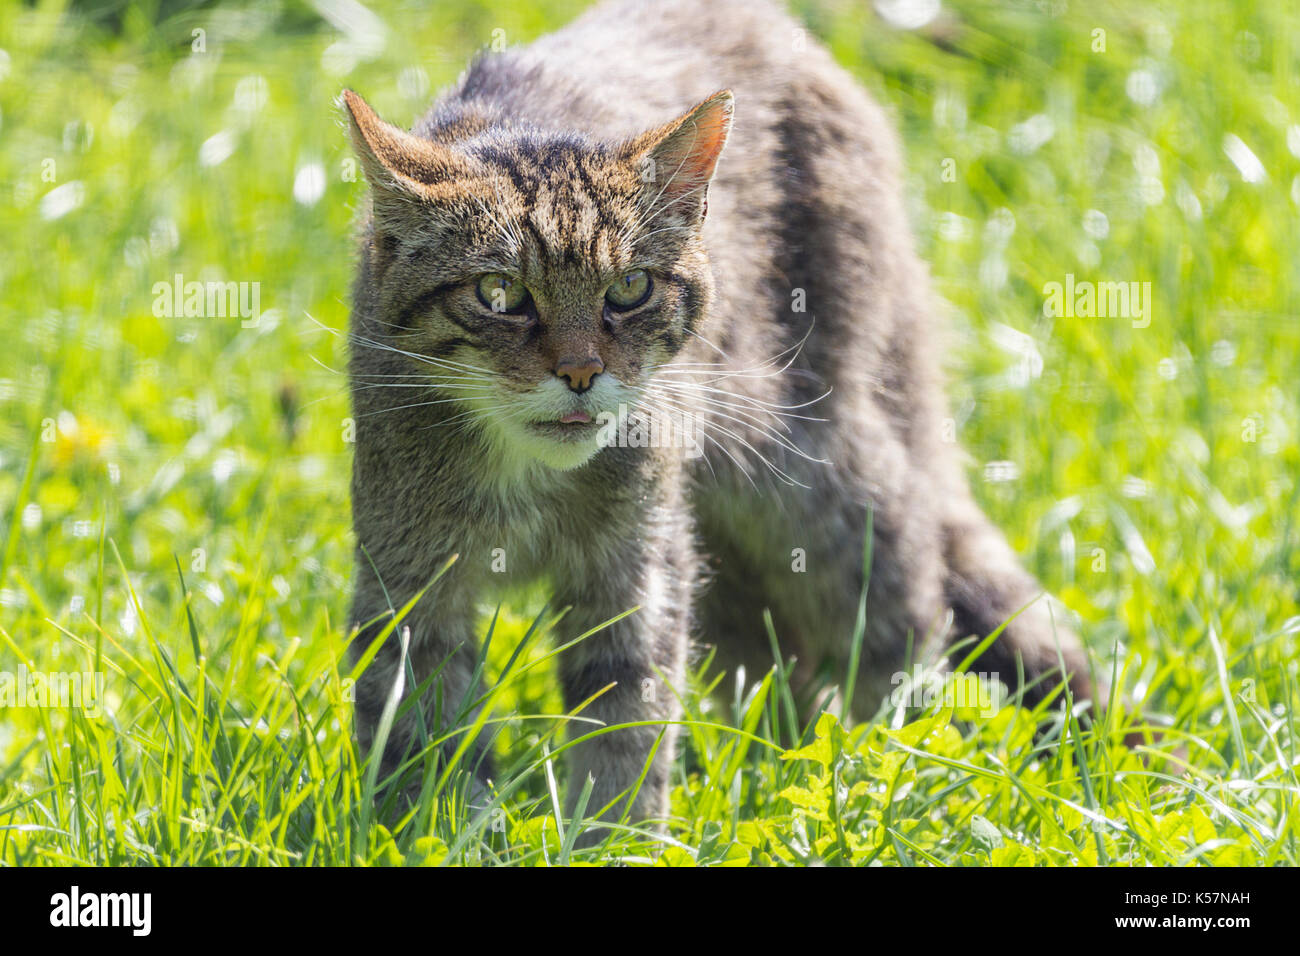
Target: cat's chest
[518, 526]
[521, 533]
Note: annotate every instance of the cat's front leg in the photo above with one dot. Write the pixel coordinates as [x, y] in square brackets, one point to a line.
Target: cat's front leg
[436, 635]
[643, 657]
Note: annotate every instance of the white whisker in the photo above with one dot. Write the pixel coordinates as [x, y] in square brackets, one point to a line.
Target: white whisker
[759, 427]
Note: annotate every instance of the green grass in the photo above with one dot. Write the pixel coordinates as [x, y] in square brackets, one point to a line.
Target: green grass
[1153, 486]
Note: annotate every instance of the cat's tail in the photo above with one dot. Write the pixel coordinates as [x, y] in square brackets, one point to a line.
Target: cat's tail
[986, 587]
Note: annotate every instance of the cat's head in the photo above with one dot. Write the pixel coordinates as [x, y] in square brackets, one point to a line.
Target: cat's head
[539, 281]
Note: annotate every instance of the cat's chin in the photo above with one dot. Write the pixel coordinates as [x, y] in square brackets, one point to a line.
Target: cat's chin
[563, 456]
[528, 447]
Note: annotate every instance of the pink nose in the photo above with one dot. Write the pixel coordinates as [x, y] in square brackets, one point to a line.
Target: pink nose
[579, 373]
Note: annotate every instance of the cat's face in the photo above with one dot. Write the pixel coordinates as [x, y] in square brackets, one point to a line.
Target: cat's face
[539, 281]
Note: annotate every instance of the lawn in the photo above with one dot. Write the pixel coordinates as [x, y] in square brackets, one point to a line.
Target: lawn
[174, 490]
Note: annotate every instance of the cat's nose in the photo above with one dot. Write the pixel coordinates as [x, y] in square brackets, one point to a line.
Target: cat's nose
[579, 372]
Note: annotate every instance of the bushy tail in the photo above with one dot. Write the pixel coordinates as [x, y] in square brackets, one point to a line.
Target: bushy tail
[985, 586]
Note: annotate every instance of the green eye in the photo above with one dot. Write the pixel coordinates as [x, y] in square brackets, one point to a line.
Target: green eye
[502, 294]
[629, 290]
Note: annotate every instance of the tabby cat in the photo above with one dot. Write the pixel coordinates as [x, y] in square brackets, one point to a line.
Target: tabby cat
[685, 213]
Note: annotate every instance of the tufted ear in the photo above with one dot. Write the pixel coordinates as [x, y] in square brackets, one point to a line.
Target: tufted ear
[406, 172]
[677, 160]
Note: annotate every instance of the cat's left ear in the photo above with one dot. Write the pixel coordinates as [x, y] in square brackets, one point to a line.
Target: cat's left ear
[677, 160]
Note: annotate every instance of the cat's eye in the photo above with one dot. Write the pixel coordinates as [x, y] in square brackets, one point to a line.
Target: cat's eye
[502, 293]
[629, 290]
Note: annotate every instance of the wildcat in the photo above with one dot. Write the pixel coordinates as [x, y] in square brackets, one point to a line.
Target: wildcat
[687, 210]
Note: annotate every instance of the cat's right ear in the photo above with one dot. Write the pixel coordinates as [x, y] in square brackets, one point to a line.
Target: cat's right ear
[409, 175]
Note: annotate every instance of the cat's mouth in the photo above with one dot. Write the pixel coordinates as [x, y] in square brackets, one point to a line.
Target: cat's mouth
[571, 426]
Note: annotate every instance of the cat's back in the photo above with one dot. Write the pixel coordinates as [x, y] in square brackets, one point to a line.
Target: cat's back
[627, 65]
[645, 62]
